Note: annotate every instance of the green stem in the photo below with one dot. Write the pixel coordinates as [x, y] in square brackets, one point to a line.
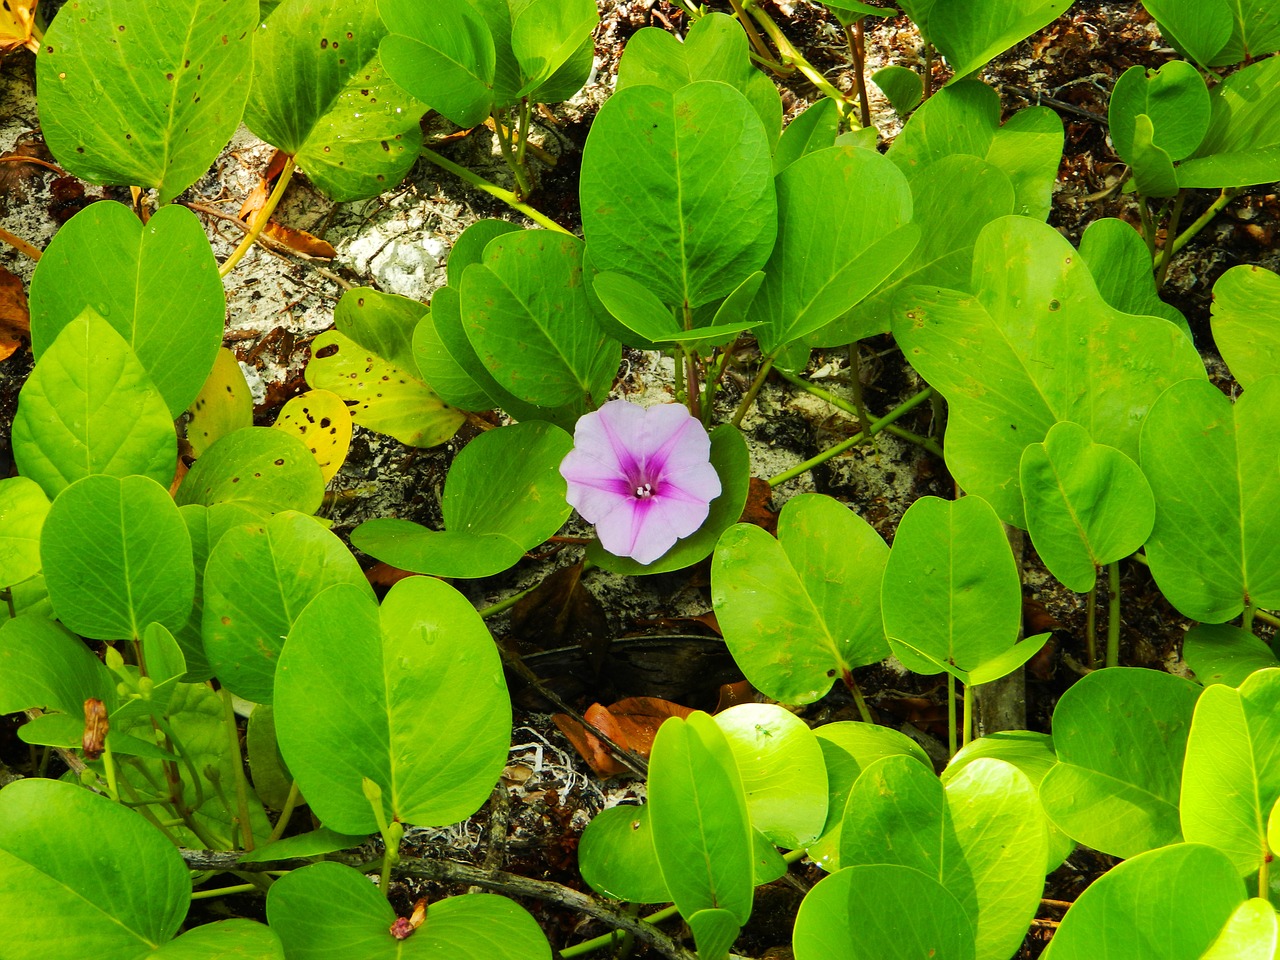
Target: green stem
[237, 766]
[506, 196]
[1246, 621]
[750, 397]
[753, 36]
[967, 729]
[791, 57]
[896, 413]
[1113, 614]
[197, 787]
[502, 129]
[109, 767]
[1091, 624]
[224, 891]
[691, 388]
[951, 715]
[511, 601]
[260, 221]
[1186, 236]
[604, 941]
[859, 700]
[522, 130]
[1166, 253]
[291, 801]
[1266, 617]
[857, 52]
[1148, 227]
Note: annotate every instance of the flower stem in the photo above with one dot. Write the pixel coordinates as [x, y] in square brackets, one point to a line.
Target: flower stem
[506, 196]
[260, 221]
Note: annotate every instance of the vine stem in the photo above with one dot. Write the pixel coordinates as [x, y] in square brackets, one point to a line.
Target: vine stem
[1166, 252]
[1113, 614]
[260, 221]
[1186, 236]
[291, 802]
[1266, 617]
[1091, 624]
[237, 766]
[750, 397]
[506, 196]
[951, 715]
[966, 732]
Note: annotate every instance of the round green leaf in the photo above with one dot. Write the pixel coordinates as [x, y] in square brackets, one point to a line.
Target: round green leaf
[1231, 776]
[224, 940]
[503, 496]
[721, 180]
[257, 581]
[321, 95]
[1212, 467]
[469, 247]
[813, 129]
[90, 409]
[257, 467]
[1120, 735]
[801, 611]
[440, 370]
[81, 876]
[411, 696]
[1242, 146]
[1120, 264]
[106, 258]
[972, 33]
[1087, 504]
[1175, 100]
[382, 323]
[782, 772]
[901, 85]
[1220, 653]
[545, 34]
[617, 858]
[43, 665]
[328, 910]
[1200, 27]
[271, 778]
[1246, 322]
[23, 507]
[145, 94]
[733, 465]
[116, 557]
[882, 912]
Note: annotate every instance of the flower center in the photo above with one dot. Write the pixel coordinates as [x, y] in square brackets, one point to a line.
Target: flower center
[644, 491]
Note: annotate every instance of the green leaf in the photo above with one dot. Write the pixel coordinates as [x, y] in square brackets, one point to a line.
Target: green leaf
[271, 778]
[722, 181]
[116, 557]
[951, 588]
[382, 323]
[1087, 504]
[545, 34]
[1255, 32]
[851, 11]
[313, 843]
[439, 369]
[257, 581]
[1154, 174]
[698, 814]
[980, 836]
[224, 940]
[848, 748]
[1231, 776]
[258, 467]
[1180, 902]
[617, 858]
[780, 762]
[503, 496]
[321, 95]
[145, 95]
[443, 54]
[714, 931]
[803, 610]
[89, 409]
[843, 228]
[733, 465]
[527, 314]
[903, 87]
[328, 910]
[1242, 146]
[1120, 264]
[882, 912]
[1200, 27]
[386, 398]
[1120, 735]
[814, 129]
[640, 311]
[469, 247]
[1033, 345]
[1220, 653]
[969, 33]
[715, 48]
[411, 696]
[81, 876]
[45, 666]
[23, 507]
[1246, 322]
[1212, 467]
[1173, 98]
[105, 258]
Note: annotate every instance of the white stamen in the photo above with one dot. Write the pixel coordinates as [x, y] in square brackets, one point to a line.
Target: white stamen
[644, 491]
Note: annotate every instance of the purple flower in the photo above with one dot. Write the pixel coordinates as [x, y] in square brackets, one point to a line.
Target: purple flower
[642, 476]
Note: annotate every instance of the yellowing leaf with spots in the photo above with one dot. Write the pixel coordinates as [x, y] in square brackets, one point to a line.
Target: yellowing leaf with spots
[321, 420]
[223, 406]
[380, 395]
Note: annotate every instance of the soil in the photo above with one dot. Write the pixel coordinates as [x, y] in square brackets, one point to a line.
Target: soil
[662, 641]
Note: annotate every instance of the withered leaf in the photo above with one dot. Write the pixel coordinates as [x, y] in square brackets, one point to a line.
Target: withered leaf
[560, 610]
[631, 723]
[15, 318]
[17, 17]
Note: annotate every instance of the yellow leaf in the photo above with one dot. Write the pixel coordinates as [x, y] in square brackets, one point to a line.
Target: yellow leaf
[322, 421]
[17, 18]
[224, 404]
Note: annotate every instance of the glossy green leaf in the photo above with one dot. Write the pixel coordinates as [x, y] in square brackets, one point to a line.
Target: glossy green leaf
[732, 461]
[1242, 146]
[327, 910]
[382, 396]
[82, 876]
[814, 129]
[698, 815]
[980, 836]
[722, 181]
[1154, 174]
[257, 581]
[803, 610]
[313, 843]
[382, 323]
[437, 366]
[1212, 467]
[1231, 776]
[89, 409]
[443, 54]
[1221, 653]
[45, 666]
[411, 697]
[545, 34]
[640, 311]
[848, 748]
[951, 588]
[1174, 99]
[969, 33]
[617, 858]
[223, 940]
[257, 467]
[882, 912]
[843, 227]
[145, 94]
[271, 778]
[321, 95]
[901, 85]
[469, 247]
[1120, 735]
[1255, 32]
[1087, 504]
[1180, 902]
[715, 48]
[1200, 27]
[1246, 322]
[503, 496]
[1033, 345]
[116, 557]
[527, 314]
[1120, 264]
[780, 762]
[23, 507]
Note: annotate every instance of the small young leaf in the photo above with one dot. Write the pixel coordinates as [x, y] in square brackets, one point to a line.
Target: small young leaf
[903, 87]
[1242, 146]
[1120, 264]
[1175, 100]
